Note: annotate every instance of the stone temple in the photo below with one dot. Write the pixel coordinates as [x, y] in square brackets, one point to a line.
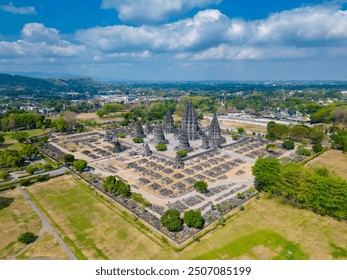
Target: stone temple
[215, 135]
[190, 123]
[159, 137]
[139, 131]
[169, 123]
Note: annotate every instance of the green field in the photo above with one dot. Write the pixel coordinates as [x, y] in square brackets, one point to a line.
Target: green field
[16, 217]
[268, 229]
[13, 144]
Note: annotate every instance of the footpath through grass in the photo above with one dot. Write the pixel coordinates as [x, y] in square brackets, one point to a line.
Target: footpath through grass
[91, 226]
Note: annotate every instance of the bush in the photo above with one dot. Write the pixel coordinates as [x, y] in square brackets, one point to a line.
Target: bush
[26, 237]
[122, 135]
[25, 182]
[138, 140]
[241, 130]
[200, 186]
[182, 153]
[236, 137]
[303, 151]
[288, 144]
[242, 207]
[317, 148]
[161, 147]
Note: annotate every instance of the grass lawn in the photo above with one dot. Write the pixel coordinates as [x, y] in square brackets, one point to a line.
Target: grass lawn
[16, 217]
[334, 160]
[46, 247]
[13, 144]
[91, 226]
[246, 126]
[267, 229]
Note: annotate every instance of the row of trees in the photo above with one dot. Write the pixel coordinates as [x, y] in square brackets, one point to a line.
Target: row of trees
[117, 187]
[19, 119]
[314, 189]
[15, 159]
[78, 164]
[172, 220]
[296, 133]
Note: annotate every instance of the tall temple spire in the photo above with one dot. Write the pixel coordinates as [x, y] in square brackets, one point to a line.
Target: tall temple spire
[215, 133]
[169, 123]
[190, 121]
[148, 128]
[183, 141]
[159, 137]
[139, 131]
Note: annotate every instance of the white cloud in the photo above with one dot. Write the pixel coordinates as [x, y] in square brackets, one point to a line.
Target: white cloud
[151, 11]
[205, 29]
[212, 35]
[38, 40]
[10, 8]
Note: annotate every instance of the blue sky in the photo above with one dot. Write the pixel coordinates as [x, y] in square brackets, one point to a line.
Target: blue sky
[176, 39]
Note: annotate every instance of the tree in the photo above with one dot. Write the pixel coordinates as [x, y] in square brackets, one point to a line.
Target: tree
[2, 138]
[26, 237]
[68, 158]
[317, 148]
[193, 219]
[109, 184]
[288, 144]
[171, 220]
[200, 186]
[20, 136]
[29, 151]
[161, 147]
[299, 132]
[4, 175]
[60, 124]
[182, 153]
[70, 118]
[266, 172]
[122, 135]
[10, 158]
[122, 189]
[79, 165]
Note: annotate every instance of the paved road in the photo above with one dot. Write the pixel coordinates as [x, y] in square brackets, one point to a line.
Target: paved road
[46, 224]
[51, 173]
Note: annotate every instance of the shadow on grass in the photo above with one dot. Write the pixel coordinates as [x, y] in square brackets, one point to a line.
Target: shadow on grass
[5, 202]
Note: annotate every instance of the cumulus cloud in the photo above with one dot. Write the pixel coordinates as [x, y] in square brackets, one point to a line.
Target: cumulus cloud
[212, 35]
[152, 11]
[38, 40]
[204, 30]
[10, 8]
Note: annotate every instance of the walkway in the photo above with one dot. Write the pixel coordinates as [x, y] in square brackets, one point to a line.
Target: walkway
[46, 225]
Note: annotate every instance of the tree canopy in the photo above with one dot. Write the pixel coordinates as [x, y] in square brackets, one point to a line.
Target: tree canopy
[193, 219]
[79, 165]
[171, 220]
[266, 172]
